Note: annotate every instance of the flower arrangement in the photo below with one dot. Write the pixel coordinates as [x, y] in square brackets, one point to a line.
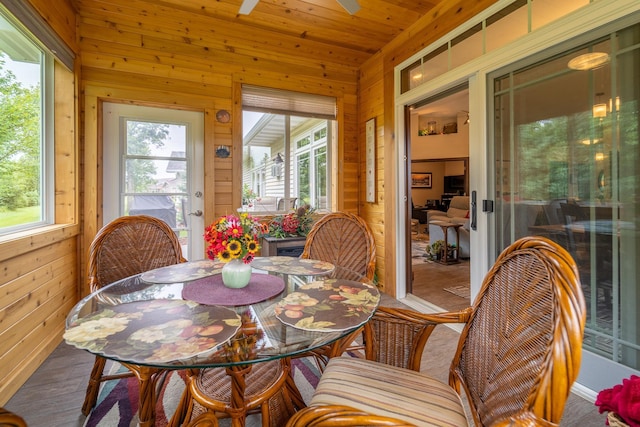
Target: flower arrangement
[232, 237]
[297, 223]
[622, 401]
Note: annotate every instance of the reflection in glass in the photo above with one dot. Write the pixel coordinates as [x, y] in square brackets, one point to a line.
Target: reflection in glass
[572, 175]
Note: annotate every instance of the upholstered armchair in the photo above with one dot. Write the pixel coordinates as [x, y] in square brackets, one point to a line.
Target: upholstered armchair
[457, 213]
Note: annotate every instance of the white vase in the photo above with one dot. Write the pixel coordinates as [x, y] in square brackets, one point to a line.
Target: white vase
[236, 274]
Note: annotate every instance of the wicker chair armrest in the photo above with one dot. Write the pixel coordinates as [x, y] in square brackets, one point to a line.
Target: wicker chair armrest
[398, 336]
[461, 316]
[9, 419]
[340, 416]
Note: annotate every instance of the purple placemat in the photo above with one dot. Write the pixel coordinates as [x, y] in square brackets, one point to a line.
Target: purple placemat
[211, 291]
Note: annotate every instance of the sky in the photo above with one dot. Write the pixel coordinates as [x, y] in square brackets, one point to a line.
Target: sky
[27, 74]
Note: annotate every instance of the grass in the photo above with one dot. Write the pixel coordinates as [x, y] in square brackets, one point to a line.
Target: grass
[19, 216]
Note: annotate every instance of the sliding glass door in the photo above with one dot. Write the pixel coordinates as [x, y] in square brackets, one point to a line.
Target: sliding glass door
[566, 155]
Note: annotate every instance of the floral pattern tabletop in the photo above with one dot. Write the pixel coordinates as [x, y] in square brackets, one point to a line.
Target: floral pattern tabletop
[183, 272]
[293, 265]
[159, 331]
[328, 305]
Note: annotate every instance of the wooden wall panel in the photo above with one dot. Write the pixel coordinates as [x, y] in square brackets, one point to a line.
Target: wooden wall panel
[66, 155]
[377, 99]
[39, 275]
[38, 290]
[370, 96]
[148, 53]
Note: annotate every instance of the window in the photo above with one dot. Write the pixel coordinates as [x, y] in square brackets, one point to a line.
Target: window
[515, 20]
[312, 168]
[26, 172]
[286, 149]
[567, 167]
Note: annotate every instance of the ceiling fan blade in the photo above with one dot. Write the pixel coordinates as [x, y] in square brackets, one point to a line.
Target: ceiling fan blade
[247, 6]
[350, 6]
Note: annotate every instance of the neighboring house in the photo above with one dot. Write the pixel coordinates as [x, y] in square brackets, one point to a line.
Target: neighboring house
[266, 157]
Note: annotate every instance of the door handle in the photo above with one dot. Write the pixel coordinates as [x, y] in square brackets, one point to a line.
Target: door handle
[474, 211]
[196, 213]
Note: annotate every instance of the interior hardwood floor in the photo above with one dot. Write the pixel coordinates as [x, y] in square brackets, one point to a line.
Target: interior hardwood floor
[431, 279]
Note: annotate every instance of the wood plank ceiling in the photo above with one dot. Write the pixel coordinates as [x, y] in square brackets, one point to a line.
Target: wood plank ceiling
[323, 21]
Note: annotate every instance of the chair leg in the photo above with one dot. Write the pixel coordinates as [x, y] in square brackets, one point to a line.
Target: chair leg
[184, 408]
[94, 385]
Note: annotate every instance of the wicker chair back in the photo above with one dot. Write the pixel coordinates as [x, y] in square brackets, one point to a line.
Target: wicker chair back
[126, 246]
[131, 245]
[521, 349]
[346, 241]
[518, 354]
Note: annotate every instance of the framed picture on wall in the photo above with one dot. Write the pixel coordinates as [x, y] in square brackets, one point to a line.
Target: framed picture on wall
[421, 180]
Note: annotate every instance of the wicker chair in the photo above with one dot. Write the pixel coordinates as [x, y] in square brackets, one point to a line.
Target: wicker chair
[126, 246]
[518, 354]
[9, 419]
[233, 392]
[344, 240]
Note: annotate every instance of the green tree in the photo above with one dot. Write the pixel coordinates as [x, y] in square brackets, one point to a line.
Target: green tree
[20, 149]
[141, 137]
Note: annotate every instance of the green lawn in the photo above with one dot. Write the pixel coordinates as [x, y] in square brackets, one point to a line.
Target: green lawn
[19, 216]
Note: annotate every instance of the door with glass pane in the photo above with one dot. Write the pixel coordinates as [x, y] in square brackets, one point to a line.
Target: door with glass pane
[153, 165]
[566, 154]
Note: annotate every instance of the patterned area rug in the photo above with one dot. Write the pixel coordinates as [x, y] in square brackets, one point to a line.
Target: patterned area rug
[419, 251]
[118, 400]
[461, 291]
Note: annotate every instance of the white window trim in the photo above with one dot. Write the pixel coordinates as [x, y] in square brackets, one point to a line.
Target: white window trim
[311, 148]
[580, 24]
[47, 134]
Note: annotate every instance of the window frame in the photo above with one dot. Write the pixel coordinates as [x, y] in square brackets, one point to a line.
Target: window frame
[312, 149]
[46, 128]
[293, 109]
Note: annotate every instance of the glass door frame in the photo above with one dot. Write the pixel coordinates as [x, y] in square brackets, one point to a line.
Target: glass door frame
[575, 25]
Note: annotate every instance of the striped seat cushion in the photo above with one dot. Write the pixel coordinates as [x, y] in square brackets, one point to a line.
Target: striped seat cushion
[389, 391]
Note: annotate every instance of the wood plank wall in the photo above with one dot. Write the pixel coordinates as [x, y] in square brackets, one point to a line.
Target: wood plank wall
[39, 276]
[168, 54]
[376, 99]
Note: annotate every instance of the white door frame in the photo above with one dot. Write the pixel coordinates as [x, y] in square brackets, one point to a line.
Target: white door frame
[112, 143]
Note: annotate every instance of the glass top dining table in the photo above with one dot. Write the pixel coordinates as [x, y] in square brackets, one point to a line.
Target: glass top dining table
[182, 316]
